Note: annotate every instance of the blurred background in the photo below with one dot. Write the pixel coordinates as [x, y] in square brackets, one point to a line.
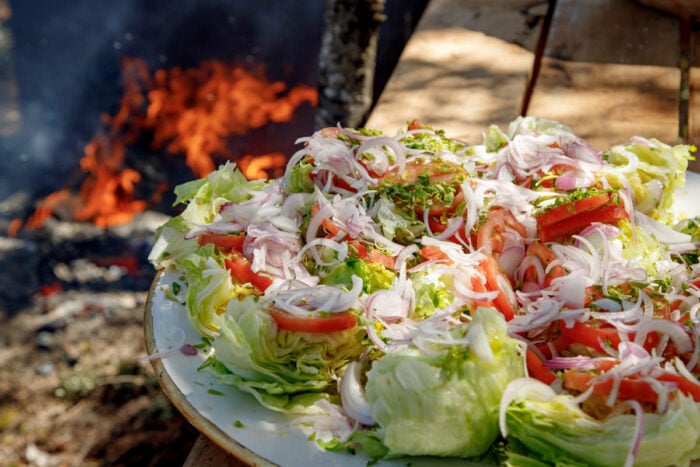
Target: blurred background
[104, 108]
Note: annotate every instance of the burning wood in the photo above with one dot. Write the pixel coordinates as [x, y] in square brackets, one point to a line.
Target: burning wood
[192, 112]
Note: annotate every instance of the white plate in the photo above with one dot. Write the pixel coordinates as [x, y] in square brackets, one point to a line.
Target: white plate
[232, 419]
[235, 420]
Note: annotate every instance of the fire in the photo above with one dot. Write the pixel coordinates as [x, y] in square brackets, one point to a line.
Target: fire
[192, 112]
[257, 167]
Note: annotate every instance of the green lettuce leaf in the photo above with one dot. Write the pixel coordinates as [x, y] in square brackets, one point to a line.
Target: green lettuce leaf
[661, 171]
[171, 245]
[557, 431]
[209, 288]
[444, 402]
[279, 366]
[205, 197]
[374, 276]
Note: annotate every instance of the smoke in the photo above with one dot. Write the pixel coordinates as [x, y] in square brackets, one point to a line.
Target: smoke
[67, 57]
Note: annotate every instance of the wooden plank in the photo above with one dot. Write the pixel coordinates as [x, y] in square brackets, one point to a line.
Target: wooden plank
[613, 31]
[608, 104]
[605, 76]
[466, 66]
[204, 453]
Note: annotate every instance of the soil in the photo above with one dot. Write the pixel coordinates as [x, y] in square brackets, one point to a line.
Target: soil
[76, 391]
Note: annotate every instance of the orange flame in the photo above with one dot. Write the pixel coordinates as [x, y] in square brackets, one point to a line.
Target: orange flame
[190, 111]
[195, 111]
[258, 167]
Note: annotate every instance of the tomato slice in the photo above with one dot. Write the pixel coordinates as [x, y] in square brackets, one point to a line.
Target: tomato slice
[224, 241]
[551, 341]
[537, 369]
[372, 255]
[331, 229]
[496, 280]
[630, 388]
[609, 214]
[433, 252]
[444, 172]
[546, 256]
[591, 334]
[317, 324]
[686, 386]
[242, 272]
[565, 211]
[415, 125]
[490, 233]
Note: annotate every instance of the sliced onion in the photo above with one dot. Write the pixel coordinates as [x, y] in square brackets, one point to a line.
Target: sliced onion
[581, 363]
[638, 431]
[387, 305]
[512, 254]
[465, 291]
[324, 213]
[522, 388]
[325, 298]
[663, 326]
[663, 232]
[565, 182]
[573, 291]
[352, 395]
[479, 342]
[341, 248]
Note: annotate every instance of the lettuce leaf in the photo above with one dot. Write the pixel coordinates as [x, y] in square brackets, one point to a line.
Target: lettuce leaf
[557, 431]
[444, 402]
[659, 173]
[284, 370]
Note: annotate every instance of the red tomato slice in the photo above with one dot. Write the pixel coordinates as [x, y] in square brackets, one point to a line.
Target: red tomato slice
[433, 252]
[591, 334]
[686, 386]
[546, 256]
[436, 225]
[331, 229]
[496, 280]
[415, 125]
[552, 339]
[491, 232]
[371, 254]
[318, 324]
[629, 389]
[536, 368]
[225, 241]
[609, 214]
[445, 172]
[241, 272]
[559, 213]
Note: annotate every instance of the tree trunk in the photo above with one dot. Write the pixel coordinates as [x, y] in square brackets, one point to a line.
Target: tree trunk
[347, 61]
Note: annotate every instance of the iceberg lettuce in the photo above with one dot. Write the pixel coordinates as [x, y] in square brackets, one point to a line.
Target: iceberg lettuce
[555, 430]
[284, 370]
[654, 171]
[444, 402]
[205, 197]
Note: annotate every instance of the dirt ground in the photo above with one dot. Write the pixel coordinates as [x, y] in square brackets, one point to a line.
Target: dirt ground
[74, 392]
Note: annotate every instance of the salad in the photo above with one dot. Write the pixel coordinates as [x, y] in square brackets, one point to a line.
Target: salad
[527, 301]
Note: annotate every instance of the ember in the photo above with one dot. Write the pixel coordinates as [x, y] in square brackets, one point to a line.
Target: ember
[192, 112]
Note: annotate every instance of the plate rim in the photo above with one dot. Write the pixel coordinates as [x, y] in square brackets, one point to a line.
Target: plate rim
[203, 425]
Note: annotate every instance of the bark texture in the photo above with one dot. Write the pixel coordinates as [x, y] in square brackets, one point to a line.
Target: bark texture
[347, 61]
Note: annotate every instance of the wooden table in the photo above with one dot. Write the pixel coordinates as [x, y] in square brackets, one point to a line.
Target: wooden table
[609, 69]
